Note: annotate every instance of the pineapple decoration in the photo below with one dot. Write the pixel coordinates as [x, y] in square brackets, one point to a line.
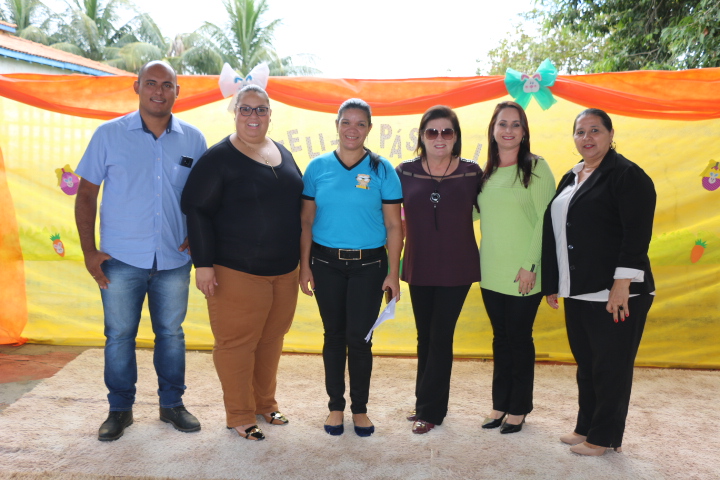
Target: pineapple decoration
[67, 180]
[58, 244]
[711, 176]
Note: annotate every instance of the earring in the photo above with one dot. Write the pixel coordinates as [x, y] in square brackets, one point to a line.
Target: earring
[613, 145]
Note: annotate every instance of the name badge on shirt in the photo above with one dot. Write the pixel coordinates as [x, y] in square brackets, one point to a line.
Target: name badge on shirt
[363, 181]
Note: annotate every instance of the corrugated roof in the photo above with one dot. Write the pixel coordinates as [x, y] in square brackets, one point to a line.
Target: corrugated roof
[36, 52]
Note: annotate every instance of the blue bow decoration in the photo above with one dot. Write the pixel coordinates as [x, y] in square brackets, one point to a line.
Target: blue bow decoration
[522, 87]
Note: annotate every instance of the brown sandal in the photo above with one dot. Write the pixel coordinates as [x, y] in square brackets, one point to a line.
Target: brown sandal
[275, 418]
[252, 433]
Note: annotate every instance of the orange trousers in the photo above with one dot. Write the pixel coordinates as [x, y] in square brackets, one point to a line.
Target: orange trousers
[249, 317]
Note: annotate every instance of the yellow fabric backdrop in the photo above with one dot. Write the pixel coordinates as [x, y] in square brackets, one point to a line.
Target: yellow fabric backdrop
[64, 304]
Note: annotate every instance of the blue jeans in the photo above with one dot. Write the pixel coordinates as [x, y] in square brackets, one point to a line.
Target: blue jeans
[167, 292]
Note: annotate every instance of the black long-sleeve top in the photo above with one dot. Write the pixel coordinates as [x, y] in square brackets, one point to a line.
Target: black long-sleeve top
[240, 216]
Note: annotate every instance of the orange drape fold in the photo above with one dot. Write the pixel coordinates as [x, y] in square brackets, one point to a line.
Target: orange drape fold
[13, 310]
[677, 95]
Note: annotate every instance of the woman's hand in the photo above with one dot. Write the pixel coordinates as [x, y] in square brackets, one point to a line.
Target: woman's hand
[392, 283]
[205, 280]
[618, 299]
[525, 281]
[306, 278]
[552, 300]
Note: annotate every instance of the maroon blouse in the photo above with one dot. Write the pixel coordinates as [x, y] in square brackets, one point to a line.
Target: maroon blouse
[440, 246]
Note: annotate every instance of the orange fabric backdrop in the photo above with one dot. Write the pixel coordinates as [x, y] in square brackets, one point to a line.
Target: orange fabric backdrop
[681, 95]
[13, 313]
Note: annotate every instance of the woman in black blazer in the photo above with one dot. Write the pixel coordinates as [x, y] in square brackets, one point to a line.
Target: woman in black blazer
[596, 237]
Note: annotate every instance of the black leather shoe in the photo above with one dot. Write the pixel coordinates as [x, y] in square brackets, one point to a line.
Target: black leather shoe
[509, 428]
[180, 418]
[493, 422]
[115, 425]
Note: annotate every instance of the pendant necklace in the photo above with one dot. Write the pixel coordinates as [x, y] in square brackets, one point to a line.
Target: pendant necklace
[261, 155]
[435, 195]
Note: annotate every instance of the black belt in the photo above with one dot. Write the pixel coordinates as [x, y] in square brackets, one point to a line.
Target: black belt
[348, 253]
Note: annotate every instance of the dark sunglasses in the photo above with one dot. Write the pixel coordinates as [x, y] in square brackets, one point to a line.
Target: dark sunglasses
[247, 111]
[446, 133]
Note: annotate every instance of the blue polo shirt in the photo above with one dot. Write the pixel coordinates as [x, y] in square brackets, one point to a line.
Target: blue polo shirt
[140, 217]
[349, 201]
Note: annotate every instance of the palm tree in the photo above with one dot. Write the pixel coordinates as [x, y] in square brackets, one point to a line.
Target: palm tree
[243, 44]
[31, 18]
[92, 33]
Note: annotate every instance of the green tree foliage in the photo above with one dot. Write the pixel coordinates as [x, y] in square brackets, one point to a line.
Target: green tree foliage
[616, 35]
[525, 50]
[90, 31]
[243, 43]
[30, 17]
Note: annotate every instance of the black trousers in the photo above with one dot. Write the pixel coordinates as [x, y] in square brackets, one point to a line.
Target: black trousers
[512, 320]
[436, 311]
[605, 354]
[348, 294]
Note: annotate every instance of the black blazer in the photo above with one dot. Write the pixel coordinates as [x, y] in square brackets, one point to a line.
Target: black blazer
[609, 225]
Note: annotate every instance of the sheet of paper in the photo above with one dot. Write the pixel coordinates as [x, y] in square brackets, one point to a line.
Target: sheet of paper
[386, 314]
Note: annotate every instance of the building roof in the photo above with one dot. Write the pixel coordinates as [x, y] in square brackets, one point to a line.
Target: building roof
[20, 49]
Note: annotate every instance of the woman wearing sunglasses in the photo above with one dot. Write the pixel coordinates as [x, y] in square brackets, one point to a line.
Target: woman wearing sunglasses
[350, 213]
[441, 257]
[516, 189]
[242, 202]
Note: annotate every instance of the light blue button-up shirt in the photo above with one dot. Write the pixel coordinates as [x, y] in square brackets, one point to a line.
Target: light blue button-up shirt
[140, 216]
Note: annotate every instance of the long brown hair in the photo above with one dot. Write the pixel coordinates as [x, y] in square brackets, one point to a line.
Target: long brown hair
[526, 161]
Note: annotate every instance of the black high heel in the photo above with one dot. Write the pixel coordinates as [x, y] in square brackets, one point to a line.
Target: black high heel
[510, 428]
[493, 422]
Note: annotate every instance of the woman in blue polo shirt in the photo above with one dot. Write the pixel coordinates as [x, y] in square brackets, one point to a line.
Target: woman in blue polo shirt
[350, 214]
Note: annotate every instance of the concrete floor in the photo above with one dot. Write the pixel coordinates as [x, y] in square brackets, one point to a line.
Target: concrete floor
[23, 367]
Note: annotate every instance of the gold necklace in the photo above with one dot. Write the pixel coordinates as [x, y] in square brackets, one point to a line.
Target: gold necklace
[260, 155]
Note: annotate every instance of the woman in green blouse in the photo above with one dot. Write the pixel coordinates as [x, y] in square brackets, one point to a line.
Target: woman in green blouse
[516, 189]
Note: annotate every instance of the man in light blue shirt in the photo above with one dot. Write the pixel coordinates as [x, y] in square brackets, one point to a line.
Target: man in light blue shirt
[144, 159]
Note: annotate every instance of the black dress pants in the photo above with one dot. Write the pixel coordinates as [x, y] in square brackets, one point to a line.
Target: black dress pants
[512, 318]
[436, 311]
[605, 353]
[348, 294]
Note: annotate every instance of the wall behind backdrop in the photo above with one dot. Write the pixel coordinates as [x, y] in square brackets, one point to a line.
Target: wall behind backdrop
[667, 122]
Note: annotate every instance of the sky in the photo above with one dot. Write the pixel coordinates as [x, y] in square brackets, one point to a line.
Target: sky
[375, 38]
[380, 39]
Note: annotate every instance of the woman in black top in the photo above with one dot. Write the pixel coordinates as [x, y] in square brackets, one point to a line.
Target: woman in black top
[242, 202]
[596, 237]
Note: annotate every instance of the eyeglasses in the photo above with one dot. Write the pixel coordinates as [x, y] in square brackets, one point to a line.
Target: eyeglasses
[446, 133]
[247, 111]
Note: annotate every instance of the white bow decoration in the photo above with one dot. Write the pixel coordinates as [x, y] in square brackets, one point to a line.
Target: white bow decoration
[231, 82]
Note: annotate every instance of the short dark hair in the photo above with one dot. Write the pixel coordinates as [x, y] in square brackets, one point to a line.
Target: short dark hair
[433, 113]
[355, 103]
[251, 88]
[526, 161]
[604, 117]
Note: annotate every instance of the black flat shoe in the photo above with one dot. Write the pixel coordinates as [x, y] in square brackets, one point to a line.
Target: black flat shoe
[364, 431]
[115, 425]
[180, 418]
[509, 428]
[334, 430]
[493, 422]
